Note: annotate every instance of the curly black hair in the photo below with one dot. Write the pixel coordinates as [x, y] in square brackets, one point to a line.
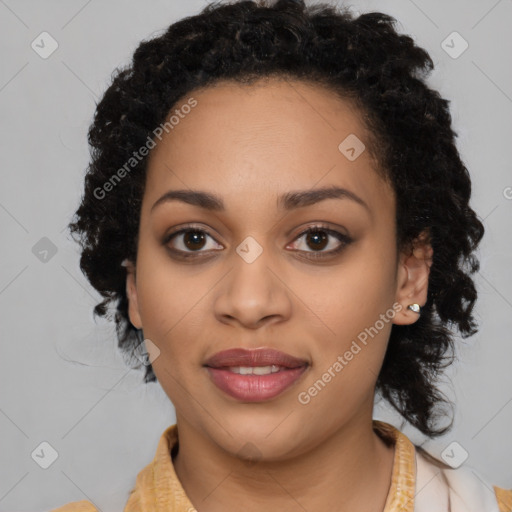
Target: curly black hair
[362, 58]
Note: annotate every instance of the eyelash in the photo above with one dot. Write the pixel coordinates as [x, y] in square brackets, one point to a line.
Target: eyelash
[344, 239]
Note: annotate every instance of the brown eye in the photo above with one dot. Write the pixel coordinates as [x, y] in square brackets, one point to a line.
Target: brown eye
[317, 239]
[189, 240]
[194, 240]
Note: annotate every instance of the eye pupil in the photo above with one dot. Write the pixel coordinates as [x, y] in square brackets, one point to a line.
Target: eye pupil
[319, 241]
[316, 237]
[196, 236]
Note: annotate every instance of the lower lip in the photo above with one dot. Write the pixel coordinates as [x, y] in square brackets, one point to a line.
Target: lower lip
[254, 388]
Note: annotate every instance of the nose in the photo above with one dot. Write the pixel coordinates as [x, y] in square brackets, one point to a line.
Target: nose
[254, 292]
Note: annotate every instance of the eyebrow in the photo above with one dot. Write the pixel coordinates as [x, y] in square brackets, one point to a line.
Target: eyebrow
[288, 201]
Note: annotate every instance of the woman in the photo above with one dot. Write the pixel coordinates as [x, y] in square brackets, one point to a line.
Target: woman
[277, 205]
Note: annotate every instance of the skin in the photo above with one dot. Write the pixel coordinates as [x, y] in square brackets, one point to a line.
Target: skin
[249, 144]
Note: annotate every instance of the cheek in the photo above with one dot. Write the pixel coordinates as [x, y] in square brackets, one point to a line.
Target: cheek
[352, 296]
[159, 290]
[173, 312]
[358, 311]
[369, 287]
[344, 380]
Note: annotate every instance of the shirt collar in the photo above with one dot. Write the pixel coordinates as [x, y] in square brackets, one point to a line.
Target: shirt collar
[158, 489]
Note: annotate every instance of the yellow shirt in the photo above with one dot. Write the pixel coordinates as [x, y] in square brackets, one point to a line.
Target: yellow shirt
[158, 489]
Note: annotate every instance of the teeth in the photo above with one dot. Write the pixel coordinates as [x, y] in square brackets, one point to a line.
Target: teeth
[255, 370]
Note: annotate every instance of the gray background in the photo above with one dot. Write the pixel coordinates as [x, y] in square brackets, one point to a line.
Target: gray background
[62, 379]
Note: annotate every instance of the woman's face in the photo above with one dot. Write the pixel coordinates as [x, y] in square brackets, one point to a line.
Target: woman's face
[245, 276]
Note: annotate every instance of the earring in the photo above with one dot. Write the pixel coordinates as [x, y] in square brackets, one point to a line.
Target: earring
[414, 307]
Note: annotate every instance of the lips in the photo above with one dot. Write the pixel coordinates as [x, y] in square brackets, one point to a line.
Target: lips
[254, 375]
[251, 358]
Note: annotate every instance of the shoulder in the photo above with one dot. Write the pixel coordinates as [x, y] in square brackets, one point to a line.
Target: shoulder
[504, 497]
[462, 489]
[77, 506]
[156, 481]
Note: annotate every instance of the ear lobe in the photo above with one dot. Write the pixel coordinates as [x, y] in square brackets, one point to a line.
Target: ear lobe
[412, 280]
[131, 293]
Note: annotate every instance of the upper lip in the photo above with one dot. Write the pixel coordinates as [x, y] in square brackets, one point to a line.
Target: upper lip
[256, 357]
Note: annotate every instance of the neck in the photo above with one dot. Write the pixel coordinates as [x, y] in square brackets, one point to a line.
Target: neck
[336, 474]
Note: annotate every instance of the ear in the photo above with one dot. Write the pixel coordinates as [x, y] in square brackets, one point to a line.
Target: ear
[131, 293]
[412, 278]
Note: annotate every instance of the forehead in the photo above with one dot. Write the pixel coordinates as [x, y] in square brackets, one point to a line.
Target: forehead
[251, 143]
